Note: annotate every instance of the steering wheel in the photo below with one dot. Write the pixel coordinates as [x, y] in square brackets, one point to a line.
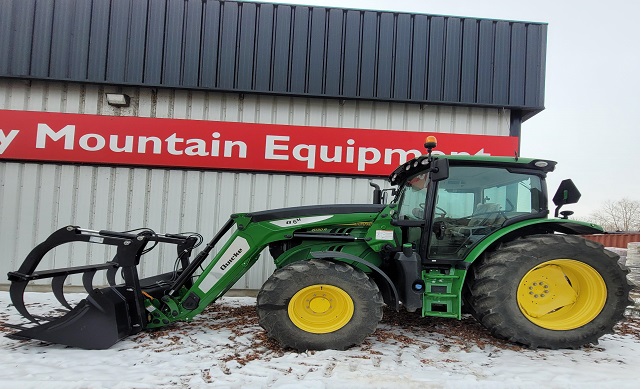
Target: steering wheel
[440, 209]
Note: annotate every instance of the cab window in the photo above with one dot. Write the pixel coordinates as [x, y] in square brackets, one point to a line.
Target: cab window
[475, 201]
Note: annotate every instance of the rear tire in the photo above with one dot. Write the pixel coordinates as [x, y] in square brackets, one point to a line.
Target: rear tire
[551, 291]
[318, 305]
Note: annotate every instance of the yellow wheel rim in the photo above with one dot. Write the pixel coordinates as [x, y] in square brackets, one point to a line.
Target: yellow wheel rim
[562, 294]
[320, 309]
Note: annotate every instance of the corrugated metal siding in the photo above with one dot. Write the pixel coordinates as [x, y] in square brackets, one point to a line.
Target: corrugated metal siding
[36, 199]
[281, 49]
[614, 240]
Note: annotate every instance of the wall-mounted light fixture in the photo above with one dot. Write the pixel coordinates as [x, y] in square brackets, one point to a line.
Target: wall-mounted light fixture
[117, 99]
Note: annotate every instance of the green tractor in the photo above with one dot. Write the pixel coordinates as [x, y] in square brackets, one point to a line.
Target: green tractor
[461, 233]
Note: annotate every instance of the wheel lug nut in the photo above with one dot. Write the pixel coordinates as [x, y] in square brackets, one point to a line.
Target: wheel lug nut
[530, 292]
[541, 283]
[541, 295]
[536, 296]
[534, 283]
[546, 291]
[530, 287]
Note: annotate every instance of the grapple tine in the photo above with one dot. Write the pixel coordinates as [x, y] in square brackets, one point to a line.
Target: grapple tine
[87, 281]
[111, 276]
[17, 294]
[57, 289]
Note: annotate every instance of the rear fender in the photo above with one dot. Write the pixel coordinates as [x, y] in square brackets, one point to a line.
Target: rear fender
[531, 227]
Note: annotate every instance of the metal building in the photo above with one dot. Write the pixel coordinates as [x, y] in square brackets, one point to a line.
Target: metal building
[309, 72]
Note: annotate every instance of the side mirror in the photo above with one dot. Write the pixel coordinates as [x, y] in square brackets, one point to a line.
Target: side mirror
[439, 169]
[567, 193]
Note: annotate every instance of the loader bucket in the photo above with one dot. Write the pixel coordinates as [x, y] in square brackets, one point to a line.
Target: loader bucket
[97, 322]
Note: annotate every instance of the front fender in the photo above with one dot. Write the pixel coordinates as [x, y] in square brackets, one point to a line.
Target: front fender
[345, 257]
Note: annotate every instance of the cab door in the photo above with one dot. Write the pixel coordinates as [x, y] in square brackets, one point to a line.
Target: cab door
[412, 212]
[474, 202]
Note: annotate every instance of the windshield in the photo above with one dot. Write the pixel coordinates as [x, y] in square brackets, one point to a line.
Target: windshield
[412, 197]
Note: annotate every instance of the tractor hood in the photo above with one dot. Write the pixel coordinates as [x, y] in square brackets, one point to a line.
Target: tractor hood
[314, 210]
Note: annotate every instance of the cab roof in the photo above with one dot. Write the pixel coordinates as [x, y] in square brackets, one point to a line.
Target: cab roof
[416, 165]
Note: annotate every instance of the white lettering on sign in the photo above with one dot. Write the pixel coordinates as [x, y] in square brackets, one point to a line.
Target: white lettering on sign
[171, 144]
[86, 141]
[367, 156]
[350, 151]
[5, 140]
[335, 158]
[229, 147]
[174, 145]
[128, 147]
[44, 132]
[309, 156]
[404, 155]
[276, 147]
[271, 147]
[144, 140]
[234, 252]
[196, 147]
[300, 221]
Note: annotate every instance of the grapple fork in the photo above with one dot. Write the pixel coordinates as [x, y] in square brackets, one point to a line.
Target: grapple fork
[106, 315]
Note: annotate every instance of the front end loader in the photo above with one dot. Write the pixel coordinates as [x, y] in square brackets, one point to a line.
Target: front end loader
[462, 233]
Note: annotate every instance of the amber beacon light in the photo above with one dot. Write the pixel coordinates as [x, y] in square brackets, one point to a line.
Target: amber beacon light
[431, 143]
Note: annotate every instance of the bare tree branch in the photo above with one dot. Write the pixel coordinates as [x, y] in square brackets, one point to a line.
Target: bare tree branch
[621, 215]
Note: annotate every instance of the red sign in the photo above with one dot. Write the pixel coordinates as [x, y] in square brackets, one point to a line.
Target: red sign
[118, 140]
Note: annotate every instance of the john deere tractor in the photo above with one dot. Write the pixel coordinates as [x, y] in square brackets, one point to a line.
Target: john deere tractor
[460, 233]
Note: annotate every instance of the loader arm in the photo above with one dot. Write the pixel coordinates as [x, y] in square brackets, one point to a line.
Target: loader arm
[253, 233]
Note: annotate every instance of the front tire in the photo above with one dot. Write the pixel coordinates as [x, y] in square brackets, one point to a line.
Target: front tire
[318, 305]
[551, 291]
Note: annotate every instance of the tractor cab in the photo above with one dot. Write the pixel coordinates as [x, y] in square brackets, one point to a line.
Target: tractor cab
[445, 205]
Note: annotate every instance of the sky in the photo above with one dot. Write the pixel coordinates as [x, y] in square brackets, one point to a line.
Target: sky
[591, 124]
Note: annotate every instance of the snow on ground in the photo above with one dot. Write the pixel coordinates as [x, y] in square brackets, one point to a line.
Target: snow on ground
[226, 348]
